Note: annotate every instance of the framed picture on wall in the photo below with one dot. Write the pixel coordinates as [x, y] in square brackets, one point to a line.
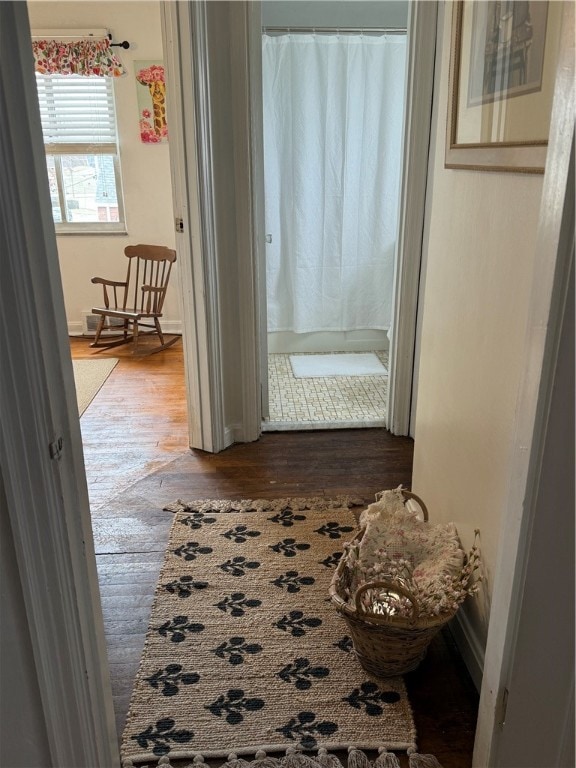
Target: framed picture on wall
[502, 71]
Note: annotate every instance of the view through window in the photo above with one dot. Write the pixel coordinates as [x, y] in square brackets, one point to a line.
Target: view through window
[79, 127]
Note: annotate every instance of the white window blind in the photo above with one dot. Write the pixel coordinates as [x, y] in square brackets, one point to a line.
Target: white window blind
[79, 127]
[77, 110]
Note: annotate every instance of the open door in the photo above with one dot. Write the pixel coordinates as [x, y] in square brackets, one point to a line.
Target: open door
[49, 577]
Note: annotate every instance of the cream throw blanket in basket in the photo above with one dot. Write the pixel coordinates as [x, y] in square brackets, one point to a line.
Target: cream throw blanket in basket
[393, 532]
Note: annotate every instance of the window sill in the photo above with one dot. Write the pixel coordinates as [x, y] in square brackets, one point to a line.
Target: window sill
[90, 232]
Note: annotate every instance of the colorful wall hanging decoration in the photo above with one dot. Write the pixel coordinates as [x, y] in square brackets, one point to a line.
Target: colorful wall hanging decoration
[151, 101]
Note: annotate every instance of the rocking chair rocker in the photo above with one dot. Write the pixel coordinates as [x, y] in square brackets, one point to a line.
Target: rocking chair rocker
[141, 298]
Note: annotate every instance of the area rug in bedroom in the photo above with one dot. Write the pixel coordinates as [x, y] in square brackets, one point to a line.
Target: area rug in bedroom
[89, 376]
[244, 650]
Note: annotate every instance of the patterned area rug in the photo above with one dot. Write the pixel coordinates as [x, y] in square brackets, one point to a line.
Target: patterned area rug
[244, 650]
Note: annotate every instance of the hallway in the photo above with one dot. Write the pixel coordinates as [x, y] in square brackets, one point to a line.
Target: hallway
[138, 417]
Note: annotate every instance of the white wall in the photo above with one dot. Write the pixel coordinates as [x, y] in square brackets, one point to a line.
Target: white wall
[145, 168]
[338, 13]
[478, 265]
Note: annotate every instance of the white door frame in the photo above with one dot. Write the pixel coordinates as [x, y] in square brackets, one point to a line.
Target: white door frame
[41, 454]
[421, 53]
[528, 623]
[419, 89]
[197, 170]
[191, 162]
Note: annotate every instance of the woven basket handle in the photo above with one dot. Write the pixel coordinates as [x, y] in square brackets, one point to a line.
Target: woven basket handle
[391, 587]
[409, 495]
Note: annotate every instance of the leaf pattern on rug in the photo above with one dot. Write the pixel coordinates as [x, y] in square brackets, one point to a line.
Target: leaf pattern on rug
[297, 624]
[292, 581]
[196, 520]
[333, 530]
[345, 644]
[233, 703]
[191, 550]
[304, 729]
[370, 697]
[240, 534]
[235, 649]
[286, 517]
[237, 566]
[171, 677]
[177, 628]
[299, 672]
[161, 734]
[237, 603]
[332, 560]
[184, 586]
[289, 547]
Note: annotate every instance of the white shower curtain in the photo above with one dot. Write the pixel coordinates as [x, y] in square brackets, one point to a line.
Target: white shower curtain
[333, 114]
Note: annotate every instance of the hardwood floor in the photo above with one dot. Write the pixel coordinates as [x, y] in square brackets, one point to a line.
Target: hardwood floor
[137, 422]
[137, 460]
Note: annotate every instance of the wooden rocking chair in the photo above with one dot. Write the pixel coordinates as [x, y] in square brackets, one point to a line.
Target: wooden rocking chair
[138, 299]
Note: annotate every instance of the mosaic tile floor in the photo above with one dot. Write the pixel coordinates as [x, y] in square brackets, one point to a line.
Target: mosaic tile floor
[335, 402]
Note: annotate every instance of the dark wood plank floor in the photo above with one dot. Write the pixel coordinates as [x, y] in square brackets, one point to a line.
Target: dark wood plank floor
[135, 438]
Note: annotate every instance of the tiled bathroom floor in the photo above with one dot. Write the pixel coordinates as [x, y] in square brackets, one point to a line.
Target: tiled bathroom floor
[334, 402]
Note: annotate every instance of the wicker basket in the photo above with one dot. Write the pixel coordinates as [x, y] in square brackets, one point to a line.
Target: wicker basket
[385, 645]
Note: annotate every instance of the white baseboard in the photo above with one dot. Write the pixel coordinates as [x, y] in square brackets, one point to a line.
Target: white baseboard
[233, 434]
[168, 326]
[75, 329]
[470, 647]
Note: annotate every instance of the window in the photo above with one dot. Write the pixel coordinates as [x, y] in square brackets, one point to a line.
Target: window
[79, 127]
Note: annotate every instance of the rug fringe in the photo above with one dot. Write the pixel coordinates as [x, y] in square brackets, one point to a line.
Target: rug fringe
[416, 760]
[264, 505]
[326, 760]
[357, 759]
[297, 759]
[386, 759]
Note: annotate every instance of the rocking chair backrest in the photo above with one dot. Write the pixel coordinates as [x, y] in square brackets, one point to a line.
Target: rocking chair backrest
[149, 267]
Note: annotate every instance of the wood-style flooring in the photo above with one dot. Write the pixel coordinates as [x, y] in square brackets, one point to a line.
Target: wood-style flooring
[137, 460]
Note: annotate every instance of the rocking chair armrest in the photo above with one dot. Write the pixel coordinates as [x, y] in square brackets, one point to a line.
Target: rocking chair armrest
[104, 281]
[152, 288]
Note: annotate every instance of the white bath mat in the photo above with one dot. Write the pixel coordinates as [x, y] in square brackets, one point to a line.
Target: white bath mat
[352, 364]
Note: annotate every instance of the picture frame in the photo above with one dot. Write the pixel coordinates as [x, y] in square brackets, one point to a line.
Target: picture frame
[502, 70]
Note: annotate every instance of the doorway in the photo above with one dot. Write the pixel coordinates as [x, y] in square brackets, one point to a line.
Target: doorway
[333, 109]
[92, 238]
[224, 276]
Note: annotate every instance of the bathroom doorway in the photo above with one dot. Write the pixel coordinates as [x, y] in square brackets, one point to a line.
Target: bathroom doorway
[333, 112]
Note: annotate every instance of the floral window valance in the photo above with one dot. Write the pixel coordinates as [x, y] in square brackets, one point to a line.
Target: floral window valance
[79, 57]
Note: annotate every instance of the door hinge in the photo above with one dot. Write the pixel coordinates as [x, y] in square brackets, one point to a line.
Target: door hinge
[179, 225]
[55, 449]
[503, 706]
